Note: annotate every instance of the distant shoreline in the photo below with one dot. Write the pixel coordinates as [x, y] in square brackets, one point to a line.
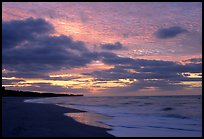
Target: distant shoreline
[21, 119]
[16, 93]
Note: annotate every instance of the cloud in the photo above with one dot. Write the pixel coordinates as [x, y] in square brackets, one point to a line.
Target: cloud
[35, 52]
[193, 60]
[48, 88]
[162, 85]
[145, 69]
[17, 31]
[26, 73]
[113, 59]
[116, 46]
[150, 73]
[31, 50]
[171, 32]
[9, 81]
[194, 68]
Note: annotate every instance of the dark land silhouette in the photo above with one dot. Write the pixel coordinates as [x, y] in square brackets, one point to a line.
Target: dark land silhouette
[5, 92]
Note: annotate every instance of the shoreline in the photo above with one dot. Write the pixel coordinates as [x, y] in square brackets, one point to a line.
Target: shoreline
[20, 119]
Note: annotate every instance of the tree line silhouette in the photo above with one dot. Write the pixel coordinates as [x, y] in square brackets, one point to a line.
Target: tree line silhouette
[32, 94]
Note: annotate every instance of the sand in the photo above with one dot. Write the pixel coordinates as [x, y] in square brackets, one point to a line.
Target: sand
[20, 119]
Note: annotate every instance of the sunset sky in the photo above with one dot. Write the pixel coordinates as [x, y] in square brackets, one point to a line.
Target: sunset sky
[103, 48]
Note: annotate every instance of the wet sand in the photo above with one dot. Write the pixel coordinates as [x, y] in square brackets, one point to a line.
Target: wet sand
[20, 119]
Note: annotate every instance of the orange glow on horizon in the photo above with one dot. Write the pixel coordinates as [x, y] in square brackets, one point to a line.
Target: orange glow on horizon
[192, 75]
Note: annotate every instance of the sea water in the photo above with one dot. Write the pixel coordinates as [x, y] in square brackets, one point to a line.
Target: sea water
[137, 116]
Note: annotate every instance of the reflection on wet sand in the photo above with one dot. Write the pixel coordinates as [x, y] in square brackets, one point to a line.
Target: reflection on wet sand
[89, 118]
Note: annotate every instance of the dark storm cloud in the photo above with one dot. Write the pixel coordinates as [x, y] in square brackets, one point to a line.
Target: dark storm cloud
[38, 52]
[165, 33]
[116, 46]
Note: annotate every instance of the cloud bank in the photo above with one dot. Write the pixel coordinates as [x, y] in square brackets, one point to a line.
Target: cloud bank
[30, 50]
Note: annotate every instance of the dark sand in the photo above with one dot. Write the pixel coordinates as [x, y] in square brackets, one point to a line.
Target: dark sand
[20, 119]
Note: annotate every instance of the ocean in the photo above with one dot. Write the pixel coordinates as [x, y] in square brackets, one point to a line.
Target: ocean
[136, 116]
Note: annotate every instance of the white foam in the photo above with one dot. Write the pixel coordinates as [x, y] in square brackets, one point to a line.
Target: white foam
[150, 132]
[154, 126]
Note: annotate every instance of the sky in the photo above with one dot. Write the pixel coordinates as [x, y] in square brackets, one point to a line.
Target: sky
[103, 49]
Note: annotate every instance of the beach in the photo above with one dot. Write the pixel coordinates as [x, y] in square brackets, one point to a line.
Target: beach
[139, 116]
[20, 119]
